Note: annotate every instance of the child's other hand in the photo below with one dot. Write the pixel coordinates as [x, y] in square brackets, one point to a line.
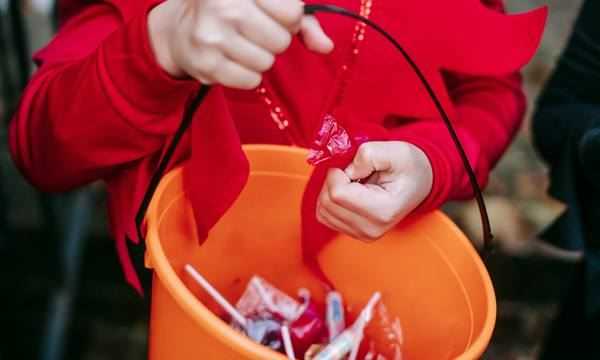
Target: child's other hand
[230, 42]
[396, 177]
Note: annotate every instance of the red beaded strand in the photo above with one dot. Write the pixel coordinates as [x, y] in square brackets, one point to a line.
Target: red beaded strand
[276, 110]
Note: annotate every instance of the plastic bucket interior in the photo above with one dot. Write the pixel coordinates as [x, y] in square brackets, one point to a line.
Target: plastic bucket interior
[427, 270]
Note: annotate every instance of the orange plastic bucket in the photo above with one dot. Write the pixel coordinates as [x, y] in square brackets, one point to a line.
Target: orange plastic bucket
[428, 272]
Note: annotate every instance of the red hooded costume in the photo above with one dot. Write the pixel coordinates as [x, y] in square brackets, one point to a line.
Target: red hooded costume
[100, 108]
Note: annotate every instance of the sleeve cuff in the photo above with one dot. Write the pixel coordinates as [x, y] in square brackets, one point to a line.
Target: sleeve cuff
[450, 181]
[140, 89]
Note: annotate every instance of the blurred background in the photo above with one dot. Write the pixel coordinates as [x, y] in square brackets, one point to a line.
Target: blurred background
[62, 295]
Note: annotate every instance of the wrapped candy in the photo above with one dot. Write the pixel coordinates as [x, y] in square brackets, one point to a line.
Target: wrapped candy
[265, 331]
[262, 298]
[385, 334]
[335, 317]
[272, 318]
[349, 341]
[268, 308]
[332, 140]
[308, 328]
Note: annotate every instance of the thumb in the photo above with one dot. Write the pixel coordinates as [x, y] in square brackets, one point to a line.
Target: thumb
[368, 159]
[313, 35]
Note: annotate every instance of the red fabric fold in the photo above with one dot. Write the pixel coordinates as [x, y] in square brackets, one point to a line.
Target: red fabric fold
[214, 182]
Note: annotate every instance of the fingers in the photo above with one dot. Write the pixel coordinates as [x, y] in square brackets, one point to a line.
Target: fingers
[231, 42]
[263, 30]
[370, 201]
[328, 219]
[288, 13]
[314, 37]
[346, 221]
[396, 178]
[247, 54]
[370, 157]
[232, 74]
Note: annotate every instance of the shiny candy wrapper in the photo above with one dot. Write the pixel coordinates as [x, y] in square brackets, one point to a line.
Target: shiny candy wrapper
[263, 299]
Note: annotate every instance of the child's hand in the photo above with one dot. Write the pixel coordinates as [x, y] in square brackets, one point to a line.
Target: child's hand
[230, 42]
[397, 177]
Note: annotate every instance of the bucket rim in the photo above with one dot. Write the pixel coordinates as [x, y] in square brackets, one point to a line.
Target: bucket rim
[478, 344]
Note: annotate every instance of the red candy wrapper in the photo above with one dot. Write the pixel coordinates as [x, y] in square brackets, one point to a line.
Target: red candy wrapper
[268, 308]
[308, 329]
[332, 140]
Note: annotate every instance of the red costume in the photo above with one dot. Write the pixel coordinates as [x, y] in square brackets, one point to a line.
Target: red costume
[100, 108]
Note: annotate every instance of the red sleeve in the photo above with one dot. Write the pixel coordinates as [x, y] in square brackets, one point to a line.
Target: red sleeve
[489, 112]
[92, 105]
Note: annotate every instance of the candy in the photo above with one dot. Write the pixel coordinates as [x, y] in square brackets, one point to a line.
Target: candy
[385, 333]
[332, 140]
[349, 340]
[335, 314]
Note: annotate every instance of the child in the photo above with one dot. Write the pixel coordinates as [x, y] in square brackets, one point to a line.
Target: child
[113, 83]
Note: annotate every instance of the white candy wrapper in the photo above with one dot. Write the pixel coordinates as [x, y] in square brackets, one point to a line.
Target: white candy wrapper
[261, 298]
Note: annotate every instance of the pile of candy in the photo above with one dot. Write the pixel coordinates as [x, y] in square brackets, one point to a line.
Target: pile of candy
[301, 328]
